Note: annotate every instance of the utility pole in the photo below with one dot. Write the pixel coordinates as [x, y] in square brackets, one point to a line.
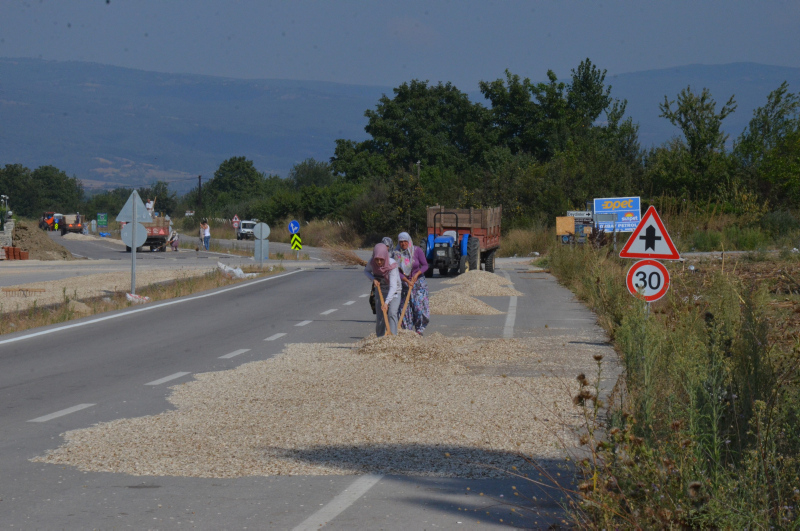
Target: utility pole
[199, 192]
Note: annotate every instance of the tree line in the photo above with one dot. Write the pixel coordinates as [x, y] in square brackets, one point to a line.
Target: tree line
[537, 149]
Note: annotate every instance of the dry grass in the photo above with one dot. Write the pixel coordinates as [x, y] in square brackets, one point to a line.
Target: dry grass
[75, 297]
[340, 255]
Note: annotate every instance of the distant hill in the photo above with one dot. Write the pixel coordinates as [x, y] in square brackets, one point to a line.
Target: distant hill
[114, 126]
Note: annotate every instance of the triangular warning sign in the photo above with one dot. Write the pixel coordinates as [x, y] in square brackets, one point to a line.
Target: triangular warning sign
[650, 240]
[126, 214]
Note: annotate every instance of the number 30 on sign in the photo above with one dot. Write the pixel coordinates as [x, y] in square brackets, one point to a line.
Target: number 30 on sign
[648, 280]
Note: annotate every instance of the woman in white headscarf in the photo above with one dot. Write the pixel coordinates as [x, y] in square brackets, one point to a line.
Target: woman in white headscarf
[413, 264]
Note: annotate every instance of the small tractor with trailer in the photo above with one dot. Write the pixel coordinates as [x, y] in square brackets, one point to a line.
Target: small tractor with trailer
[158, 231]
[462, 239]
[71, 223]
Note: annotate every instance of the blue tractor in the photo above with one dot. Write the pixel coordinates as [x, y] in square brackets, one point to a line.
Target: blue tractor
[462, 240]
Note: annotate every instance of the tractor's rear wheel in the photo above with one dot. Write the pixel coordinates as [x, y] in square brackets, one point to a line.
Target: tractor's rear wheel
[462, 265]
[474, 253]
[489, 263]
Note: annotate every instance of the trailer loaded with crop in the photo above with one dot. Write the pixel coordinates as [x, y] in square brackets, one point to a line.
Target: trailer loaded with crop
[462, 239]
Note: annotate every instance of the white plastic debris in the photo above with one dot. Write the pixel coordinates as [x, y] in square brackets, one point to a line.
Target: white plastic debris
[796, 250]
[234, 273]
[137, 299]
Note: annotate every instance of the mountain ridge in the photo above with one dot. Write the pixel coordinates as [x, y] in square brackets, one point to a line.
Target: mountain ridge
[114, 126]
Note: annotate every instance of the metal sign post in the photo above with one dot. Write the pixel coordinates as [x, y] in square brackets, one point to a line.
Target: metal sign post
[133, 246]
[261, 245]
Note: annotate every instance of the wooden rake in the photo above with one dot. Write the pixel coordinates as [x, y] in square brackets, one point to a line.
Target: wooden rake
[408, 297]
[385, 317]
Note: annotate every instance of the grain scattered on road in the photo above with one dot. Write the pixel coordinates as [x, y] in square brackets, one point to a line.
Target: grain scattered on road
[453, 301]
[483, 284]
[441, 407]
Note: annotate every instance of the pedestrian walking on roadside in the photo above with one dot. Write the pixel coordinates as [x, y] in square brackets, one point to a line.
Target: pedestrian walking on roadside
[382, 271]
[205, 233]
[413, 264]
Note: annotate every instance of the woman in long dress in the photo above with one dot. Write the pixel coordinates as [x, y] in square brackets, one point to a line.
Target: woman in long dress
[413, 265]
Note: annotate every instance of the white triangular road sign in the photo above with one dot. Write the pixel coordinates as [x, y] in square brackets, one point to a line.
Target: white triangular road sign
[126, 214]
[650, 240]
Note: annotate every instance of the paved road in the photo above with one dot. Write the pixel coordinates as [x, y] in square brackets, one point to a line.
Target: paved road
[91, 370]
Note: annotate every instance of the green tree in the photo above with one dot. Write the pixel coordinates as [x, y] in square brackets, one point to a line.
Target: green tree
[767, 148]
[311, 172]
[55, 191]
[235, 180]
[436, 125]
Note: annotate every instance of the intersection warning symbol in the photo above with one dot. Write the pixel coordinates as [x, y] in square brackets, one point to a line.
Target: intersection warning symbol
[297, 243]
[650, 240]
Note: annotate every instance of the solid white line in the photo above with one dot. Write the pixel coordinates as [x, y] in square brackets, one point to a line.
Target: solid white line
[167, 378]
[303, 323]
[273, 337]
[61, 413]
[341, 502]
[348, 303]
[511, 316]
[364, 295]
[234, 353]
[145, 309]
[328, 312]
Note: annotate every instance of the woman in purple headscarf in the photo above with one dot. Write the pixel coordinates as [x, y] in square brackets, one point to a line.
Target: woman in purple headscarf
[382, 271]
[413, 265]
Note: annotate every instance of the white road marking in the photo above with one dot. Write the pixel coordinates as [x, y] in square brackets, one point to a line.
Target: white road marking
[273, 337]
[167, 378]
[511, 316]
[234, 353]
[341, 502]
[61, 413]
[364, 295]
[348, 303]
[328, 312]
[146, 308]
[303, 323]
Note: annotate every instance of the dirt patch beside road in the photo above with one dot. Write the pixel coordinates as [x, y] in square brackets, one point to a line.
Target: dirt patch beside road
[29, 237]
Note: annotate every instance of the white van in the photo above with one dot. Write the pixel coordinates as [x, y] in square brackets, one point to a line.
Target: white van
[245, 230]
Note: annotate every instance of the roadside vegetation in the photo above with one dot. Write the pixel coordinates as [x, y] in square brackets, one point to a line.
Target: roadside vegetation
[71, 309]
[702, 431]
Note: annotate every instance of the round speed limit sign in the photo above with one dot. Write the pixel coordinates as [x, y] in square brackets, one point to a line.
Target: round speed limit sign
[648, 280]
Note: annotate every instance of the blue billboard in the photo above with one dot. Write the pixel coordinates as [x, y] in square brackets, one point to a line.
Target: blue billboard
[627, 209]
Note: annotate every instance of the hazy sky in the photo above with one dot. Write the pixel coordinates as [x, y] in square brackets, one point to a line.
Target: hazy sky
[389, 42]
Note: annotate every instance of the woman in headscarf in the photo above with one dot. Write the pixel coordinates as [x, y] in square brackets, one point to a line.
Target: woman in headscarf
[413, 265]
[382, 271]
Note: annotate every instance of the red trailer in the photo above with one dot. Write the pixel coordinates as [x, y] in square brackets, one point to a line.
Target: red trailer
[460, 239]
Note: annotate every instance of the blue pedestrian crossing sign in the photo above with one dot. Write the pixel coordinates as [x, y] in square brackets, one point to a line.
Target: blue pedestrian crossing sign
[294, 227]
[297, 243]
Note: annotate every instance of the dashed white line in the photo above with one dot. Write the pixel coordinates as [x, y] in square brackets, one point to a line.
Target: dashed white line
[167, 378]
[364, 295]
[511, 316]
[348, 303]
[234, 353]
[61, 413]
[273, 337]
[341, 502]
[328, 312]
[303, 323]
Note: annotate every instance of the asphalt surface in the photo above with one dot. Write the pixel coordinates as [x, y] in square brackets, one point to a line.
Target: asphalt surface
[90, 370]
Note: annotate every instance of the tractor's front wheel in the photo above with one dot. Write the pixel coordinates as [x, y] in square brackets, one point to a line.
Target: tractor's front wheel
[429, 271]
[462, 265]
[443, 271]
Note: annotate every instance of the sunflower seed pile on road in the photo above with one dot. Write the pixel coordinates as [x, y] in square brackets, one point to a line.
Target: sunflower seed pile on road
[483, 284]
[448, 408]
[452, 301]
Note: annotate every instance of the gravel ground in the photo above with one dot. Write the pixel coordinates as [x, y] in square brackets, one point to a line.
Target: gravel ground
[453, 407]
[460, 299]
[88, 286]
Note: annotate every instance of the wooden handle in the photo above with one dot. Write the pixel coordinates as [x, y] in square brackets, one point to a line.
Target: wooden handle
[408, 297]
[385, 317]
